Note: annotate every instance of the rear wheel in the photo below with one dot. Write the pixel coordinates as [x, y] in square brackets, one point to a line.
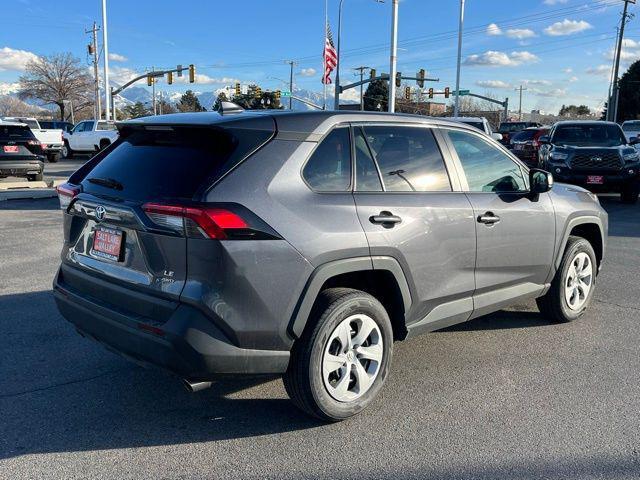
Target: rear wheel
[53, 157]
[104, 144]
[341, 361]
[630, 194]
[36, 177]
[574, 284]
[66, 150]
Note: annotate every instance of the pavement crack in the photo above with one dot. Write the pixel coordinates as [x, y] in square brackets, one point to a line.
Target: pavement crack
[618, 305]
[70, 382]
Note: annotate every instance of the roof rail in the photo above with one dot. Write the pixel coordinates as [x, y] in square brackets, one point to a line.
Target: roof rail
[229, 108]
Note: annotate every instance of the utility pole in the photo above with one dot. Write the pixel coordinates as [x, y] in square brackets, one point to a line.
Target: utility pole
[291, 63]
[612, 110]
[96, 76]
[153, 91]
[361, 70]
[460, 25]
[105, 53]
[521, 89]
[393, 57]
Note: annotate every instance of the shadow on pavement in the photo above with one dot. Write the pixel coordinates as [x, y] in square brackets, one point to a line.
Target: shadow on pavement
[31, 205]
[501, 320]
[624, 219]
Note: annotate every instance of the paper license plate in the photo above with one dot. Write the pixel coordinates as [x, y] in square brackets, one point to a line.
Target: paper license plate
[107, 243]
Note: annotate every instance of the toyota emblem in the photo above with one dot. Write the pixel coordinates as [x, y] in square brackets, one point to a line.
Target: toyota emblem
[100, 213]
[596, 159]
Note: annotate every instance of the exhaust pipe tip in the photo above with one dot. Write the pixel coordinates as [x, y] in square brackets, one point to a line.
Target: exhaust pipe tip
[193, 387]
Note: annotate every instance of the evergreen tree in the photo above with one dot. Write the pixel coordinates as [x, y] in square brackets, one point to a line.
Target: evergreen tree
[189, 103]
[136, 110]
[376, 97]
[222, 97]
[252, 101]
[629, 94]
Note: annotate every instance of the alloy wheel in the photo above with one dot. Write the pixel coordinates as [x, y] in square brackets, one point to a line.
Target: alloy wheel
[579, 281]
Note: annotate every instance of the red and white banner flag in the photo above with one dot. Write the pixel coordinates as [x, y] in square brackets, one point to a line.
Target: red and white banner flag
[330, 56]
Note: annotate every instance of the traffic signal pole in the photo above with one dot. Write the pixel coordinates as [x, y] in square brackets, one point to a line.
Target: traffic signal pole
[393, 57]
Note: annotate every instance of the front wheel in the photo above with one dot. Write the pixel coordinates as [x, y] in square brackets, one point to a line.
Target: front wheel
[66, 150]
[341, 361]
[572, 288]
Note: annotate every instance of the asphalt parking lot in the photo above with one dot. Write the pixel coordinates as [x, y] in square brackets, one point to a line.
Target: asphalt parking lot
[506, 396]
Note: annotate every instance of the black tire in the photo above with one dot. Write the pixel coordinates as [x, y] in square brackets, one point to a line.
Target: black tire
[104, 144]
[630, 194]
[53, 157]
[38, 177]
[67, 152]
[304, 380]
[553, 305]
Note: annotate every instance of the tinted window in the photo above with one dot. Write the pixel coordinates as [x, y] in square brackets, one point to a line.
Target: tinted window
[524, 135]
[511, 127]
[486, 167]
[15, 132]
[88, 126]
[48, 125]
[631, 126]
[367, 178]
[478, 125]
[106, 126]
[156, 165]
[409, 159]
[591, 134]
[329, 168]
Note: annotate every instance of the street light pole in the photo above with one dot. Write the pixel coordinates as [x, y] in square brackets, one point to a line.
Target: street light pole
[460, 25]
[336, 104]
[393, 56]
[291, 65]
[105, 52]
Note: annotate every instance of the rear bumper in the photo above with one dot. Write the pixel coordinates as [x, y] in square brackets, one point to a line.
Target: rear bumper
[188, 344]
[52, 148]
[21, 167]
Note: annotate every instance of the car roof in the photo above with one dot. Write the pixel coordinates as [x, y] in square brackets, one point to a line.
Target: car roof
[466, 119]
[315, 123]
[584, 122]
[13, 123]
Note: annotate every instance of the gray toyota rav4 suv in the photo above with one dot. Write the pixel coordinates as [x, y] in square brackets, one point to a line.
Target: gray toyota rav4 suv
[305, 244]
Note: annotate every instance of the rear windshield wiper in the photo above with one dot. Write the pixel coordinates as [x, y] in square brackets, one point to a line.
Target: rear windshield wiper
[107, 182]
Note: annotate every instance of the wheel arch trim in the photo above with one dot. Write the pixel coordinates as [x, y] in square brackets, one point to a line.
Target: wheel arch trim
[570, 225]
[338, 267]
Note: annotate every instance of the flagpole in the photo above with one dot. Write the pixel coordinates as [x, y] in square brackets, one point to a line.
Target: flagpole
[324, 57]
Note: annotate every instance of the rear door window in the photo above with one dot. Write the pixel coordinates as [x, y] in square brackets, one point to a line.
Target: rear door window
[367, 177]
[408, 158]
[329, 167]
[171, 163]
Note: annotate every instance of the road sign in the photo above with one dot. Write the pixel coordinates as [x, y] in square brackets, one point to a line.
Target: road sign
[285, 93]
[463, 93]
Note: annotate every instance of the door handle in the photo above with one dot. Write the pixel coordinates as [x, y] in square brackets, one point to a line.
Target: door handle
[489, 218]
[385, 218]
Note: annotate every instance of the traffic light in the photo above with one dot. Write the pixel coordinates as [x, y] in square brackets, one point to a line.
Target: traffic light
[407, 93]
[446, 92]
[169, 78]
[192, 73]
[431, 93]
[179, 70]
[278, 94]
[238, 89]
[149, 80]
[258, 92]
[398, 79]
[421, 75]
[90, 49]
[372, 73]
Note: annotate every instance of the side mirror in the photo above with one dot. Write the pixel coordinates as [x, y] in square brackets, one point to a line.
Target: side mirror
[496, 136]
[544, 140]
[540, 181]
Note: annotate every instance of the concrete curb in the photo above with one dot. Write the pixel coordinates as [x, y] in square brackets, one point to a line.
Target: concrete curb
[22, 185]
[27, 194]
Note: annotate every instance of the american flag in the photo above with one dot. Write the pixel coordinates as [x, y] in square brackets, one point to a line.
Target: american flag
[330, 56]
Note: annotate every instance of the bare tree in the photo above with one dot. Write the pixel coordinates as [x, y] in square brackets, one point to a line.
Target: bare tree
[57, 79]
[13, 107]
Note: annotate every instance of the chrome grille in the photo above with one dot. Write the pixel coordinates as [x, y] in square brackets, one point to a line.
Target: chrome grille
[605, 161]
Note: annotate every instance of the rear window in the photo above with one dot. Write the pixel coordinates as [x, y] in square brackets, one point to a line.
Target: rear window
[106, 126]
[15, 132]
[170, 164]
[511, 127]
[478, 125]
[524, 135]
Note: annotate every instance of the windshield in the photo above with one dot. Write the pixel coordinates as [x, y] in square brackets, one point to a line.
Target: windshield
[478, 125]
[589, 135]
[511, 127]
[631, 126]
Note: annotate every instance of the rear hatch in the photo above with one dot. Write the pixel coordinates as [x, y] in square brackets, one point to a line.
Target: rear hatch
[131, 209]
[17, 142]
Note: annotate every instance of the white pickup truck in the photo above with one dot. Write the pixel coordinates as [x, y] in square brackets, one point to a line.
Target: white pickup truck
[50, 139]
[89, 136]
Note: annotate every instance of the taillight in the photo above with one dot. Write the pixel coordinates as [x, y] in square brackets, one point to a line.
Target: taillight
[208, 222]
[535, 143]
[33, 142]
[66, 193]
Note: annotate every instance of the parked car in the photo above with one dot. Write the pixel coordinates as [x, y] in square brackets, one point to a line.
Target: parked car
[526, 144]
[50, 139]
[507, 129]
[64, 126]
[593, 154]
[20, 152]
[481, 124]
[304, 244]
[631, 129]
[89, 136]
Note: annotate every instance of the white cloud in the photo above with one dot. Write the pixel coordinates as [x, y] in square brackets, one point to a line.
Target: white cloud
[567, 27]
[493, 84]
[554, 2]
[11, 59]
[308, 72]
[116, 57]
[9, 88]
[556, 92]
[203, 79]
[573, 79]
[601, 70]
[536, 82]
[629, 53]
[520, 33]
[567, 70]
[494, 29]
[121, 75]
[494, 58]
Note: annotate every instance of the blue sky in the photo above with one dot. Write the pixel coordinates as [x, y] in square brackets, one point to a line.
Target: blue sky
[559, 49]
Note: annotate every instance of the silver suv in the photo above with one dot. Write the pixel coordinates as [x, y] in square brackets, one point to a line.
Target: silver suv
[305, 244]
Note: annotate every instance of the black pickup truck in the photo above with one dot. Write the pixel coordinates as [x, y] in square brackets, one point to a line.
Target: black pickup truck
[593, 154]
[21, 154]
